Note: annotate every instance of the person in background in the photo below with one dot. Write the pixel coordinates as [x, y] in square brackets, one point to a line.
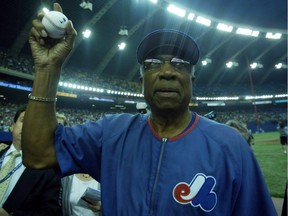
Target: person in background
[242, 129]
[283, 131]
[142, 107]
[170, 161]
[251, 139]
[74, 186]
[61, 119]
[29, 192]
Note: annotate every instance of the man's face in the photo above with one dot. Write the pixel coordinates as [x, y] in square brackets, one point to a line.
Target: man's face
[167, 83]
[17, 130]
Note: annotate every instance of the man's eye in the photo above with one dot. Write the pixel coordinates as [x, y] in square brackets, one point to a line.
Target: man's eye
[180, 63]
[156, 62]
[152, 63]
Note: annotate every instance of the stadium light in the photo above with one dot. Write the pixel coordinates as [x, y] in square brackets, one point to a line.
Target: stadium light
[203, 21]
[231, 64]
[244, 31]
[190, 16]
[255, 33]
[176, 10]
[206, 61]
[220, 26]
[271, 35]
[224, 98]
[86, 33]
[259, 97]
[154, 1]
[224, 27]
[248, 32]
[280, 66]
[122, 46]
[281, 95]
[255, 65]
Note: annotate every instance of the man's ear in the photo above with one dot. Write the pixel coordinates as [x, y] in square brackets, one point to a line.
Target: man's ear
[193, 74]
[141, 81]
[193, 77]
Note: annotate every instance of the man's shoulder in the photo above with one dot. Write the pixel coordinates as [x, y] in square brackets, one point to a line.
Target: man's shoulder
[216, 130]
[115, 124]
[126, 117]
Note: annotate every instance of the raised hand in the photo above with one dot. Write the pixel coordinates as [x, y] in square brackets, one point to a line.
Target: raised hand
[47, 51]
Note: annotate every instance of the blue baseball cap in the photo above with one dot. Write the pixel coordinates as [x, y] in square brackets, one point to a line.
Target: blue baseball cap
[168, 41]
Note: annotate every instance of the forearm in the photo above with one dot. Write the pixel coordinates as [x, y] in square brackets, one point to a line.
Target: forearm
[46, 81]
[40, 118]
[40, 121]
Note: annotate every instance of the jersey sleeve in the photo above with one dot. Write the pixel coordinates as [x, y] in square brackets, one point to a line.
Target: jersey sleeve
[252, 196]
[78, 149]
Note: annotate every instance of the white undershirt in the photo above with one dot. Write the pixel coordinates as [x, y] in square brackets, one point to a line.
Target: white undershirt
[77, 189]
[16, 175]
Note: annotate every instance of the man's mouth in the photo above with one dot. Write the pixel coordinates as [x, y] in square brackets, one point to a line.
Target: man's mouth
[166, 92]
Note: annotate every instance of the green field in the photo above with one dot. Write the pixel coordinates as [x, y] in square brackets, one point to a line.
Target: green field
[272, 160]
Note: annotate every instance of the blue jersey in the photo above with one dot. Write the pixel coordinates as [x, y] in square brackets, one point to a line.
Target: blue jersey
[207, 170]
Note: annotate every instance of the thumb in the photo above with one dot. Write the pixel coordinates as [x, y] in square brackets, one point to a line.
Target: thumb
[71, 32]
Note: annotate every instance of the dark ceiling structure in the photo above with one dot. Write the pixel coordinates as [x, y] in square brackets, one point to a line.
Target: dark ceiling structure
[100, 55]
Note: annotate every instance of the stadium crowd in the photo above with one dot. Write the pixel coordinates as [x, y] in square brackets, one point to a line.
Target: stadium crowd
[22, 63]
[81, 115]
[82, 77]
[78, 76]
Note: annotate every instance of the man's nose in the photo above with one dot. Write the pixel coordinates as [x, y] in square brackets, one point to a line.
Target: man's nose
[167, 66]
[167, 70]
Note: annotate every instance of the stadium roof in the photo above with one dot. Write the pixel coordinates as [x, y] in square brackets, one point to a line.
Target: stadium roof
[100, 55]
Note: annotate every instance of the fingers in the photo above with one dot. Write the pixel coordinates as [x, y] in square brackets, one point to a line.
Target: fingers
[69, 27]
[40, 14]
[70, 31]
[38, 26]
[43, 45]
[38, 31]
[96, 207]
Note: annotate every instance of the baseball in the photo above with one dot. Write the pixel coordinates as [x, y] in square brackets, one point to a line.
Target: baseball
[55, 24]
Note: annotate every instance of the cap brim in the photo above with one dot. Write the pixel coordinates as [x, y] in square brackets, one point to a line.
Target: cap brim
[168, 41]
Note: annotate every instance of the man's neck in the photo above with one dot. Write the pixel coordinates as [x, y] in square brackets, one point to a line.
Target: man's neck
[172, 125]
[17, 147]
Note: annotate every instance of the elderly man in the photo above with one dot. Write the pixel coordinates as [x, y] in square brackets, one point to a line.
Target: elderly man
[169, 161]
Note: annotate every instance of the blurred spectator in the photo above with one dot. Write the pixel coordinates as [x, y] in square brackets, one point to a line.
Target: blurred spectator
[27, 191]
[74, 186]
[283, 131]
[61, 118]
[241, 127]
[76, 115]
